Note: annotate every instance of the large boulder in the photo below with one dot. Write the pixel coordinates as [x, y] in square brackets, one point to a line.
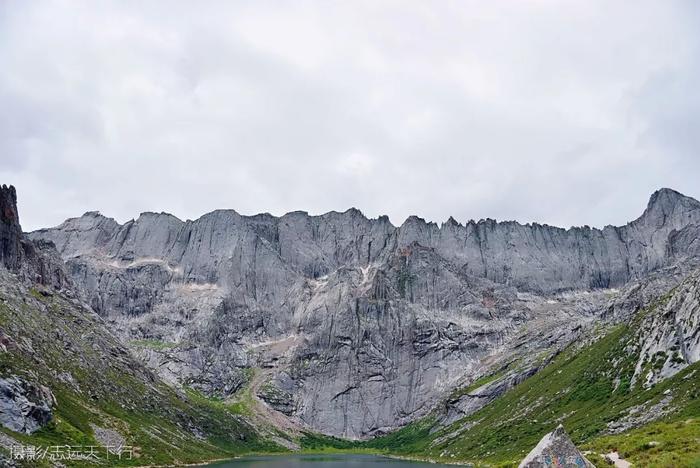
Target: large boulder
[24, 406]
[555, 449]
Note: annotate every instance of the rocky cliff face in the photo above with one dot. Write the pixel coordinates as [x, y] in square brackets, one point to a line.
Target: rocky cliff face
[531, 257]
[668, 339]
[363, 326]
[10, 230]
[67, 381]
[37, 261]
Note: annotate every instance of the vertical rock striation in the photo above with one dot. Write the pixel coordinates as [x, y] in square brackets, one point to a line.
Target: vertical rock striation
[531, 257]
[363, 324]
[10, 230]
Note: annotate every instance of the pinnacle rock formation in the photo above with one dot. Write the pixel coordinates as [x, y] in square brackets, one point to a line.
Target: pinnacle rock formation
[10, 230]
[34, 260]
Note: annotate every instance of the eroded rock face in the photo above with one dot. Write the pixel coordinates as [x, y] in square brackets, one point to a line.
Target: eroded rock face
[531, 257]
[36, 261]
[668, 339]
[555, 449]
[472, 401]
[278, 399]
[369, 324]
[24, 406]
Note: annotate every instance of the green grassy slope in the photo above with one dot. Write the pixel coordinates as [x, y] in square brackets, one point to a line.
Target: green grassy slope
[584, 389]
[53, 341]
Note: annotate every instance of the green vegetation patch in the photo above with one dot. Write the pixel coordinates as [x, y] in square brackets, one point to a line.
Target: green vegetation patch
[157, 345]
[585, 389]
[660, 444]
[95, 381]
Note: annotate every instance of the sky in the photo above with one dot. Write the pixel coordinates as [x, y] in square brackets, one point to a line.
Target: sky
[559, 112]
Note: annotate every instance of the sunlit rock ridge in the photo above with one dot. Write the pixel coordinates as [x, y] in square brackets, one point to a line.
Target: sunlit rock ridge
[349, 325]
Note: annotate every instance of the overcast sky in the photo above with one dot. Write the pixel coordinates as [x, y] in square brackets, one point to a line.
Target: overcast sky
[561, 112]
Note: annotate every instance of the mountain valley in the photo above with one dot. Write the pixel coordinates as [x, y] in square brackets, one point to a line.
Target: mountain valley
[233, 334]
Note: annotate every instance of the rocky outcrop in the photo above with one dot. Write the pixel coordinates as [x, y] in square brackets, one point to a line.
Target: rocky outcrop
[50, 340]
[37, 261]
[531, 257]
[279, 399]
[555, 449]
[668, 339]
[379, 322]
[24, 406]
[470, 402]
[10, 230]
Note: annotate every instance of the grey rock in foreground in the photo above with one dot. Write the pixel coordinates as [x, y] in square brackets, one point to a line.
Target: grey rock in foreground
[555, 449]
[24, 406]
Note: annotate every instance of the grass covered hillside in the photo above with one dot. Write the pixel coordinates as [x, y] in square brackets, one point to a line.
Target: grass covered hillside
[103, 396]
[593, 392]
[599, 391]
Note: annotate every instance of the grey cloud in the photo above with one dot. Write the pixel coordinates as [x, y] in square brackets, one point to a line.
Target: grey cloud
[535, 111]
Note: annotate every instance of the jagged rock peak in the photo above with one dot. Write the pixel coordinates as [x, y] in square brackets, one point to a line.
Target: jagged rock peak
[413, 219]
[354, 212]
[666, 193]
[452, 222]
[153, 214]
[36, 261]
[533, 257]
[668, 207]
[661, 202]
[8, 205]
[666, 199]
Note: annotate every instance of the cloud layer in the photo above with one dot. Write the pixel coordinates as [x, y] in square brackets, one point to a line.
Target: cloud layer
[567, 113]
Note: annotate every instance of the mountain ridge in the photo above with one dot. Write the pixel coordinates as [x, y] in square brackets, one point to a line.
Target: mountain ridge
[451, 220]
[618, 254]
[352, 327]
[364, 325]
